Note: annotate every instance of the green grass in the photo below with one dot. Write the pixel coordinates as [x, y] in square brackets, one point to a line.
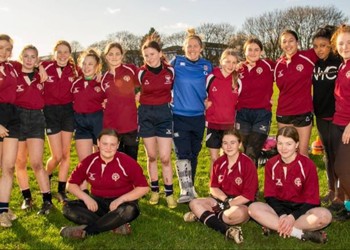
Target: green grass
[157, 227]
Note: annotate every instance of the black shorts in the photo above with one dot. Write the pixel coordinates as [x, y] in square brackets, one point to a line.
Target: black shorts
[59, 118]
[32, 124]
[302, 120]
[88, 126]
[129, 139]
[214, 138]
[155, 120]
[9, 119]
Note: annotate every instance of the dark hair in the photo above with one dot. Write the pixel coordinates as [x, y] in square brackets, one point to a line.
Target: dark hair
[290, 132]
[113, 45]
[325, 32]
[253, 40]
[152, 41]
[234, 132]
[292, 32]
[109, 131]
[93, 53]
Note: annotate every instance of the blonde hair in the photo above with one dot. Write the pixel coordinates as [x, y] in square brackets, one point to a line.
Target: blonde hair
[28, 47]
[191, 34]
[341, 29]
[231, 52]
[7, 38]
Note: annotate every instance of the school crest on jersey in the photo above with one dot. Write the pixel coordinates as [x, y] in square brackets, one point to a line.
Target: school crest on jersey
[126, 78]
[115, 176]
[40, 86]
[347, 74]
[167, 79]
[97, 89]
[300, 67]
[297, 182]
[238, 181]
[259, 70]
[71, 79]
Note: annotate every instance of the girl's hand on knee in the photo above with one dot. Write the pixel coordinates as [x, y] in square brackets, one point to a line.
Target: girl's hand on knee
[3, 131]
[91, 204]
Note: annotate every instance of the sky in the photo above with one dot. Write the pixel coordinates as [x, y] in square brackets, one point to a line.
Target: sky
[43, 22]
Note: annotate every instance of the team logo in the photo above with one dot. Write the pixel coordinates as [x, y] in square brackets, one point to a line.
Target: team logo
[40, 86]
[241, 76]
[146, 82]
[92, 176]
[347, 74]
[97, 89]
[297, 182]
[182, 64]
[220, 178]
[76, 90]
[280, 73]
[263, 128]
[238, 181]
[279, 182]
[106, 85]
[214, 89]
[167, 79]
[300, 67]
[126, 78]
[71, 79]
[205, 67]
[115, 176]
[49, 79]
[205, 73]
[168, 131]
[20, 88]
[259, 70]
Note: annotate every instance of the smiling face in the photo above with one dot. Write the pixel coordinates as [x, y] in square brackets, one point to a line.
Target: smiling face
[289, 44]
[287, 148]
[89, 66]
[114, 57]
[228, 64]
[252, 52]
[5, 50]
[29, 60]
[193, 49]
[108, 145]
[62, 55]
[343, 45]
[322, 47]
[152, 57]
[230, 145]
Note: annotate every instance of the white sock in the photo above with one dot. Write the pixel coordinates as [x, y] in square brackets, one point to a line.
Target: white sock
[297, 233]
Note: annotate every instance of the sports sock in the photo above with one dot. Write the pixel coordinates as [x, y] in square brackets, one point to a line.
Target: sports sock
[4, 207]
[26, 194]
[155, 186]
[297, 233]
[168, 189]
[208, 218]
[47, 197]
[62, 186]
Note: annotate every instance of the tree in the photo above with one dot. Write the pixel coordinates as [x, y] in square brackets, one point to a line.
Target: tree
[304, 20]
[77, 48]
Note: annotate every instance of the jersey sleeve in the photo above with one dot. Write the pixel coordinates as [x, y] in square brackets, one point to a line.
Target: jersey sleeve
[78, 175]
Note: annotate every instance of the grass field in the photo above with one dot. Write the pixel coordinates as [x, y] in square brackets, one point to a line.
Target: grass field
[157, 227]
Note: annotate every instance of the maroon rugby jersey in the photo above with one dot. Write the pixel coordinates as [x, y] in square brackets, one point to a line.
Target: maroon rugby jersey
[30, 93]
[8, 82]
[342, 95]
[294, 81]
[156, 88]
[294, 182]
[57, 88]
[87, 96]
[241, 179]
[109, 180]
[257, 85]
[223, 98]
[120, 112]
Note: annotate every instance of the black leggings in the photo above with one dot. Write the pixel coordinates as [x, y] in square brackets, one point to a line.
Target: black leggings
[102, 220]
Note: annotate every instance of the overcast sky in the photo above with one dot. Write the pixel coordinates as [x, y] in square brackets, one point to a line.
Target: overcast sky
[43, 22]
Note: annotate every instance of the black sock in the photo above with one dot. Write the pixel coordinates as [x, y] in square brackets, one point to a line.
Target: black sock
[210, 219]
[168, 189]
[62, 186]
[155, 186]
[50, 177]
[26, 194]
[47, 197]
[4, 207]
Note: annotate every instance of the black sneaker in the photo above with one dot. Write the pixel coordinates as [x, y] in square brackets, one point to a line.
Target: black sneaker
[336, 207]
[342, 215]
[62, 197]
[45, 208]
[315, 236]
[27, 204]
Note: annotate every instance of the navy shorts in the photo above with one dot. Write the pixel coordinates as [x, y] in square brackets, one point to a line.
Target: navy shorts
[129, 139]
[155, 120]
[302, 120]
[88, 126]
[9, 119]
[253, 120]
[32, 124]
[214, 138]
[59, 118]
